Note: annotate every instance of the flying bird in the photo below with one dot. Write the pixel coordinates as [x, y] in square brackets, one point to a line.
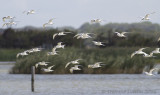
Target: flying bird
[8, 17]
[152, 71]
[73, 62]
[29, 12]
[121, 34]
[96, 65]
[74, 68]
[140, 51]
[146, 17]
[48, 69]
[60, 34]
[98, 43]
[50, 22]
[96, 20]
[83, 35]
[22, 54]
[41, 63]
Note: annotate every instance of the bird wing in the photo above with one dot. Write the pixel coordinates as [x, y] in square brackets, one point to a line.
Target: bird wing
[141, 49]
[54, 35]
[151, 71]
[157, 49]
[147, 15]
[67, 64]
[71, 70]
[50, 67]
[44, 25]
[51, 20]
[98, 63]
[117, 32]
[94, 41]
[4, 18]
[37, 65]
[59, 43]
[124, 33]
[133, 54]
[158, 39]
[54, 49]
[18, 55]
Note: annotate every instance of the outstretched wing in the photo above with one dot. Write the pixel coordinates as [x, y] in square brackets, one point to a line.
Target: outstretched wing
[18, 55]
[54, 35]
[151, 71]
[36, 65]
[4, 18]
[141, 49]
[147, 15]
[44, 25]
[133, 54]
[51, 20]
[50, 67]
[54, 49]
[124, 33]
[67, 64]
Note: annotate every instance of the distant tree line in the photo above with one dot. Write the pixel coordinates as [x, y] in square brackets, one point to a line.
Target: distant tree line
[140, 34]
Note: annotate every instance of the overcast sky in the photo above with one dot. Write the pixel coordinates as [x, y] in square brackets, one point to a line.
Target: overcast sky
[76, 12]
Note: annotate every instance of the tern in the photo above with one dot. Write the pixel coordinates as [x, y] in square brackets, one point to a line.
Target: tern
[8, 17]
[9, 24]
[36, 49]
[50, 22]
[22, 54]
[151, 72]
[121, 34]
[48, 69]
[96, 20]
[83, 35]
[147, 16]
[97, 43]
[96, 65]
[41, 63]
[74, 68]
[73, 62]
[140, 51]
[60, 34]
[29, 12]
[6, 24]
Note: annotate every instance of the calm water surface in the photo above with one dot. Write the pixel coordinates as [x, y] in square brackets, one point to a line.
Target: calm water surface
[117, 84]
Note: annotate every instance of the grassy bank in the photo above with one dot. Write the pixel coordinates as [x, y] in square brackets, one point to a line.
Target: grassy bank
[116, 60]
[9, 54]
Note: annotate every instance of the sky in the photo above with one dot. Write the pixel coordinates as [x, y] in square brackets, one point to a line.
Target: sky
[77, 12]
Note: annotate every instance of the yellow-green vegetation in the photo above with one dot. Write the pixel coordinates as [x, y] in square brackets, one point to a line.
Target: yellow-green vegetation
[9, 54]
[116, 60]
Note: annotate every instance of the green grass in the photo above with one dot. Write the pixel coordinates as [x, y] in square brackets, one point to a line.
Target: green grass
[116, 60]
[9, 54]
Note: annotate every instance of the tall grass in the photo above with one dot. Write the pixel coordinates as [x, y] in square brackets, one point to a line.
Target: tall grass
[116, 60]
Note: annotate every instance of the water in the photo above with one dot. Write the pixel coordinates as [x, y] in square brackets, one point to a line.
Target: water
[117, 84]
